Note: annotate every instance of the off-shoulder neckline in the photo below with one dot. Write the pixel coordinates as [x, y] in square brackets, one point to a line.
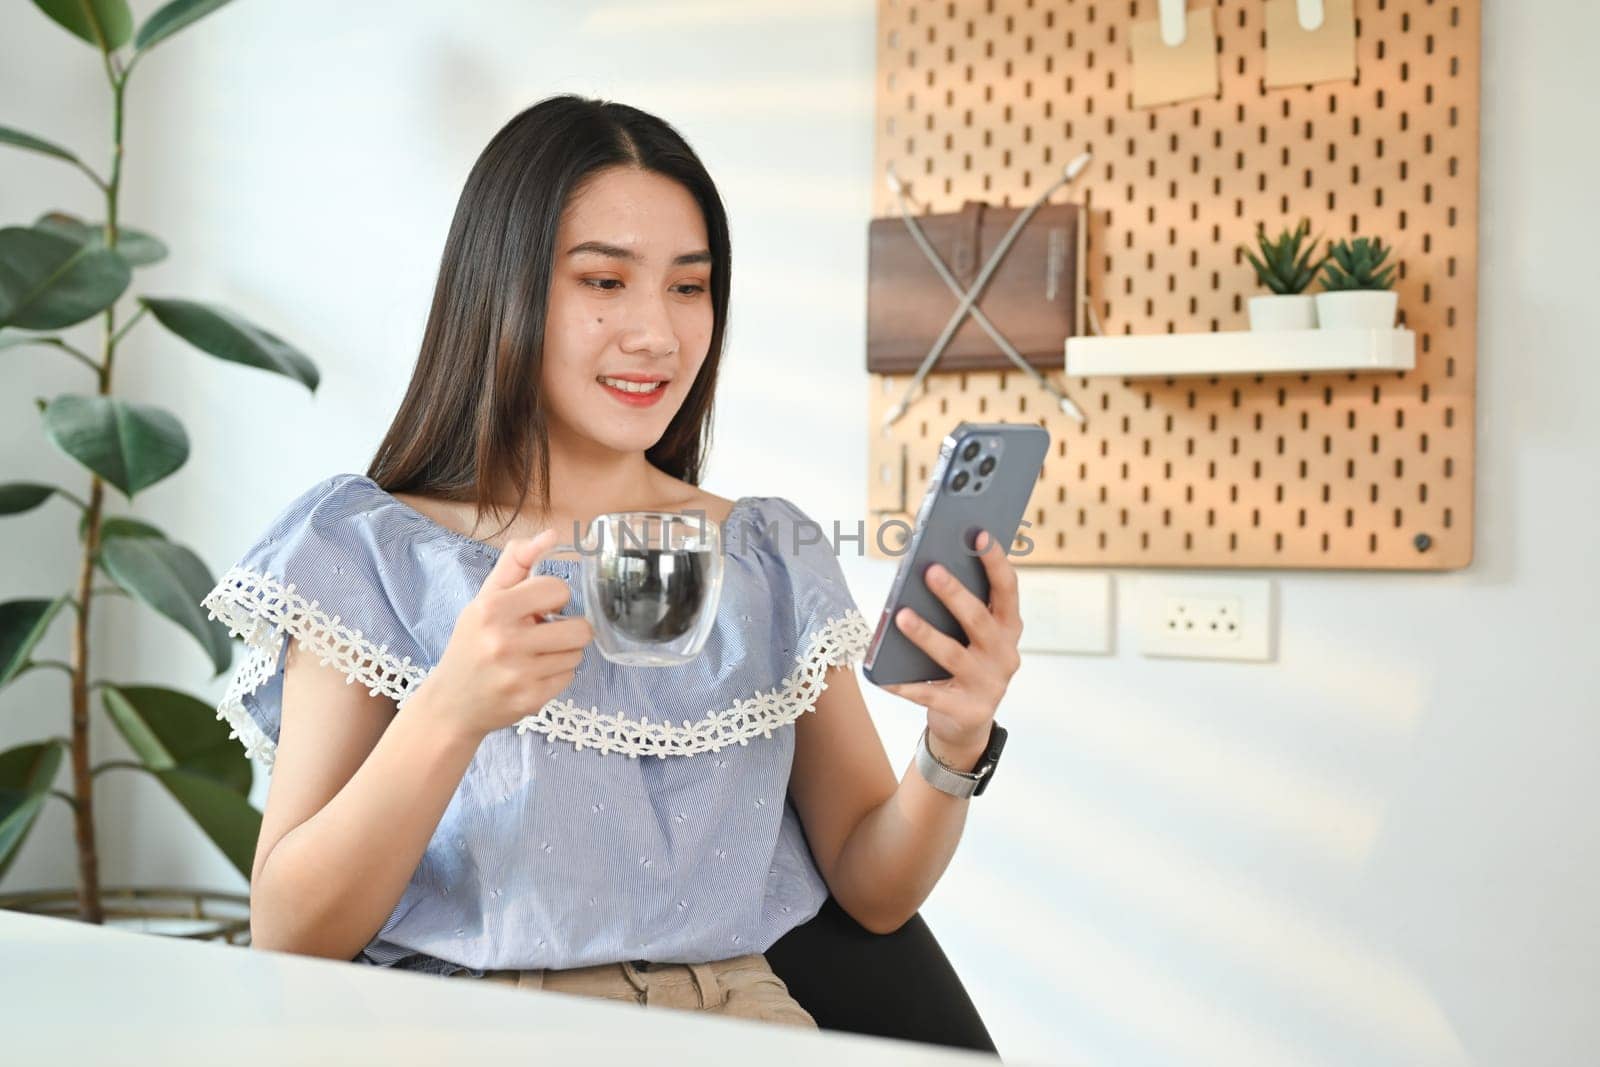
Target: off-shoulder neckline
[741, 504]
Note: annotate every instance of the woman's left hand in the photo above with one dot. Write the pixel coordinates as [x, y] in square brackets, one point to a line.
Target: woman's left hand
[962, 707]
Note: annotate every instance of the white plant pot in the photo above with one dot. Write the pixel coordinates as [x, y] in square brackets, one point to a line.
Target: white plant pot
[1286, 311]
[1365, 309]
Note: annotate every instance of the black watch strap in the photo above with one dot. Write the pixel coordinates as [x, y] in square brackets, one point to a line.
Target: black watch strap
[990, 758]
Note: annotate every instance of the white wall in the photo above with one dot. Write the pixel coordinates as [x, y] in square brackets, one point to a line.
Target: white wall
[1379, 850]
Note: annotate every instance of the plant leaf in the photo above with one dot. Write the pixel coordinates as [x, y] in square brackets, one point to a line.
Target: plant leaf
[137, 248]
[170, 19]
[170, 579]
[223, 815]
[27, 774]
[166, 729]
[132, 446]
[1263, 275]
[1283, 255]
[23, 624]
[13, 339]
[90, 19]
[228, 336]
[19, 139]
[118, 526]
[48, 281]
[17, 497]
[1285, 265]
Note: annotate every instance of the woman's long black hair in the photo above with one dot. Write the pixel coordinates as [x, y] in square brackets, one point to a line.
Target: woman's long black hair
[473, 416]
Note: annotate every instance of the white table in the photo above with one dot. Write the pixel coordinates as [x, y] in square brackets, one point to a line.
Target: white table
[71, 993]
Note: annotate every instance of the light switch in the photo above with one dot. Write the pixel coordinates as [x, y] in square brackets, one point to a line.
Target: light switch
[1064, 610]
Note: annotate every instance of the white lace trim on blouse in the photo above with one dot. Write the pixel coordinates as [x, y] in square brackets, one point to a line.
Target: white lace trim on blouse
[260, 609]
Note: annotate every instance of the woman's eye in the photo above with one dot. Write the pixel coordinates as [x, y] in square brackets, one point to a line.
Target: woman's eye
[611, 284]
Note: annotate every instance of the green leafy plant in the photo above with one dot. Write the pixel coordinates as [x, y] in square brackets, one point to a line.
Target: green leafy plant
[1355, 265]
[57, 273]
[1285, 265]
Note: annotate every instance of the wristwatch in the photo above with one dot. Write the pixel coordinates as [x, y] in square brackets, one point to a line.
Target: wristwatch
[961, 783]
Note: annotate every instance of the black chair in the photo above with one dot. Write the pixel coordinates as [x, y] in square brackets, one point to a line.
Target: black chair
[897, 985]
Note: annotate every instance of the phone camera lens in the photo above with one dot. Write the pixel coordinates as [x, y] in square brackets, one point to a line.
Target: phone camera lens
[970, 451]
[987, 465]
[958, 481]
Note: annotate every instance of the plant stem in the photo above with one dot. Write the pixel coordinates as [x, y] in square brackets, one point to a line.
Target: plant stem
[90, 909]
[118, 764]
[57, 664]
[137, 315]
[71, 800]
[99, 181]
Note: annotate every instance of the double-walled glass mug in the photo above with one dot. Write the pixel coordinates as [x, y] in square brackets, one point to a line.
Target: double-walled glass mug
[651, 583]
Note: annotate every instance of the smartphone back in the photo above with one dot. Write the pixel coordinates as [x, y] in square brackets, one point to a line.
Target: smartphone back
[985, 474]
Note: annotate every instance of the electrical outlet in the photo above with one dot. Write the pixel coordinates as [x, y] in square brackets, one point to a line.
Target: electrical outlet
[1205, 618]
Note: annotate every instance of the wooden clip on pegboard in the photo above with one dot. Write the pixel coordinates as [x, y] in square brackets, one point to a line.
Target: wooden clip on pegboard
[985, 100]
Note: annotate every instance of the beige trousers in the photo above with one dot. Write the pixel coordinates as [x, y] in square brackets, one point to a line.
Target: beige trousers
[743, 987]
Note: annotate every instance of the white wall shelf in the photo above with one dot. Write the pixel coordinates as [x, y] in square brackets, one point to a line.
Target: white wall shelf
[1173, 355]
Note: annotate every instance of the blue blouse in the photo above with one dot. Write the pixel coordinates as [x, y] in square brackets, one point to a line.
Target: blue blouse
[642, 813]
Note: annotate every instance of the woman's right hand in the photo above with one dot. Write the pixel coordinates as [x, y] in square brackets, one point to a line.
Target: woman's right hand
[504, 662]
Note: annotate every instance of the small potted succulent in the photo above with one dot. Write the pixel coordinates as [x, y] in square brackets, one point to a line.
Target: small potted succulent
[1356, 284]
[1287, 267]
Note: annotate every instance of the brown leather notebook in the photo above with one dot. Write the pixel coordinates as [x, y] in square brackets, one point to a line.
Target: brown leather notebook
[1032, 298]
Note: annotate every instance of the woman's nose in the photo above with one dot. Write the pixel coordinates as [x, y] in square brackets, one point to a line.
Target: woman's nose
[650, 327]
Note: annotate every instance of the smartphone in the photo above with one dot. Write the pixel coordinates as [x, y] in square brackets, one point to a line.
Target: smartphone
[985, 474]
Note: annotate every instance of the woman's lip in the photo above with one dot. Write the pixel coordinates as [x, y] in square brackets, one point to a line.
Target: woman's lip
[638, 400]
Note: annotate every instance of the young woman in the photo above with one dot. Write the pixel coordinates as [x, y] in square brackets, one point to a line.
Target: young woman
[495, 799]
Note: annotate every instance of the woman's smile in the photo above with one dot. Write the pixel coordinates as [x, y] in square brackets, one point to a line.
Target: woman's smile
[638, 393]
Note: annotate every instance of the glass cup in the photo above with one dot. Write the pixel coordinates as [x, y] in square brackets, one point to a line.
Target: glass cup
[651, 584]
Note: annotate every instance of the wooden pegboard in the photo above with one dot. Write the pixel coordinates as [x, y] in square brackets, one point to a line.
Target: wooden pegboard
[987, 99]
